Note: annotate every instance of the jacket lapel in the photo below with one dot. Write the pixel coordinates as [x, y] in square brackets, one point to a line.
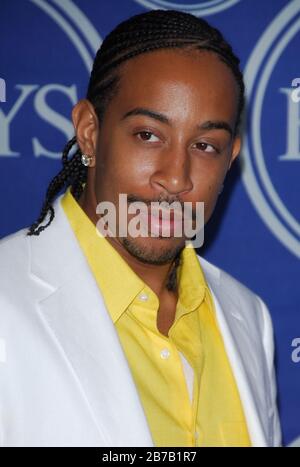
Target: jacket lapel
[241, 350]
[74, 310]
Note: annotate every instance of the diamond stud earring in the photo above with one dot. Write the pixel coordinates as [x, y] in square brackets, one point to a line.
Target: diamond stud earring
[86, 160]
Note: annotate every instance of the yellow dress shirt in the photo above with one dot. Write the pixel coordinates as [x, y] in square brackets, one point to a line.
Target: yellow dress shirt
[214, 416]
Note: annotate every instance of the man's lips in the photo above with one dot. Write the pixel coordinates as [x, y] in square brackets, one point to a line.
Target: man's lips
[165, 213]
[163, 222]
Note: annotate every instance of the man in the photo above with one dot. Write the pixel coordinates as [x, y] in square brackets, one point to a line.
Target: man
[137, 340]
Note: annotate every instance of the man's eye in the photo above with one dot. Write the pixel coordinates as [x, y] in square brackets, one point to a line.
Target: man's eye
[204, 146]
[146, 136]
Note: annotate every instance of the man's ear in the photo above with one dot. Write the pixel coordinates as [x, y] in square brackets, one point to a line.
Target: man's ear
[85, 122]
[236, 147]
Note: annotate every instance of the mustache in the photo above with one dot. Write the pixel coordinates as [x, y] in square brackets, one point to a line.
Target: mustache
[131, 198]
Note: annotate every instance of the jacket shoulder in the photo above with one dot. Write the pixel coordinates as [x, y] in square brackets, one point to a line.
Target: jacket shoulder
[13, 247]
[251, 306]
[213, 272]
[14, 269]
[14, 237]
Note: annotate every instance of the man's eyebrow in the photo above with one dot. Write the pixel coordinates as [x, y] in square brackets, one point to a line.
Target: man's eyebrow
[149, 113]
[216, 125]
[208, 125]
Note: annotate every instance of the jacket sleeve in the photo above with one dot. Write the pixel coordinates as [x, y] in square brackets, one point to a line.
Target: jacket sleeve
[268, 342]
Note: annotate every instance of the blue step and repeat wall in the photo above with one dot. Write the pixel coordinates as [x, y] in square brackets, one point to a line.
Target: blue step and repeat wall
[46, 54]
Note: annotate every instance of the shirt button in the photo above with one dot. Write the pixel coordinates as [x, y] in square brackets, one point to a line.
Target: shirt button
[165, 353]
[143, 297]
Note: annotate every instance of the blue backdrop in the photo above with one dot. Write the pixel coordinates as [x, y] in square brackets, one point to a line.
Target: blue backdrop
[46, 54]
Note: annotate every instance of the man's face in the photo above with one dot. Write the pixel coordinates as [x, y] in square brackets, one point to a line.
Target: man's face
[168, 158]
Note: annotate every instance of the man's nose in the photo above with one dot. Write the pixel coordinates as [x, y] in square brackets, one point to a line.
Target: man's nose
[173, 173]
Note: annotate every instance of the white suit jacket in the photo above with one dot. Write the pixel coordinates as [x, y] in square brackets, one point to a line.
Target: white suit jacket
[64, 378]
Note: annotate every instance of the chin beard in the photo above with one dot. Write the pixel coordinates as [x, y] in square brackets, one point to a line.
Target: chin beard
[151, 256]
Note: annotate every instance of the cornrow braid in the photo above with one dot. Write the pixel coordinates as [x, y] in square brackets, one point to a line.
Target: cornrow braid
[172, 278]
[73, 173]
[142, 33]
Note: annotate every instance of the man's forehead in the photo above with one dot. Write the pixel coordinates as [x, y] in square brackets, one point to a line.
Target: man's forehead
[187, 94]
[174, 60]
[171, 108]
[152, 75]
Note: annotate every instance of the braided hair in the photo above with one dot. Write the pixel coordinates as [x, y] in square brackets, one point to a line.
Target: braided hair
[142, 33]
